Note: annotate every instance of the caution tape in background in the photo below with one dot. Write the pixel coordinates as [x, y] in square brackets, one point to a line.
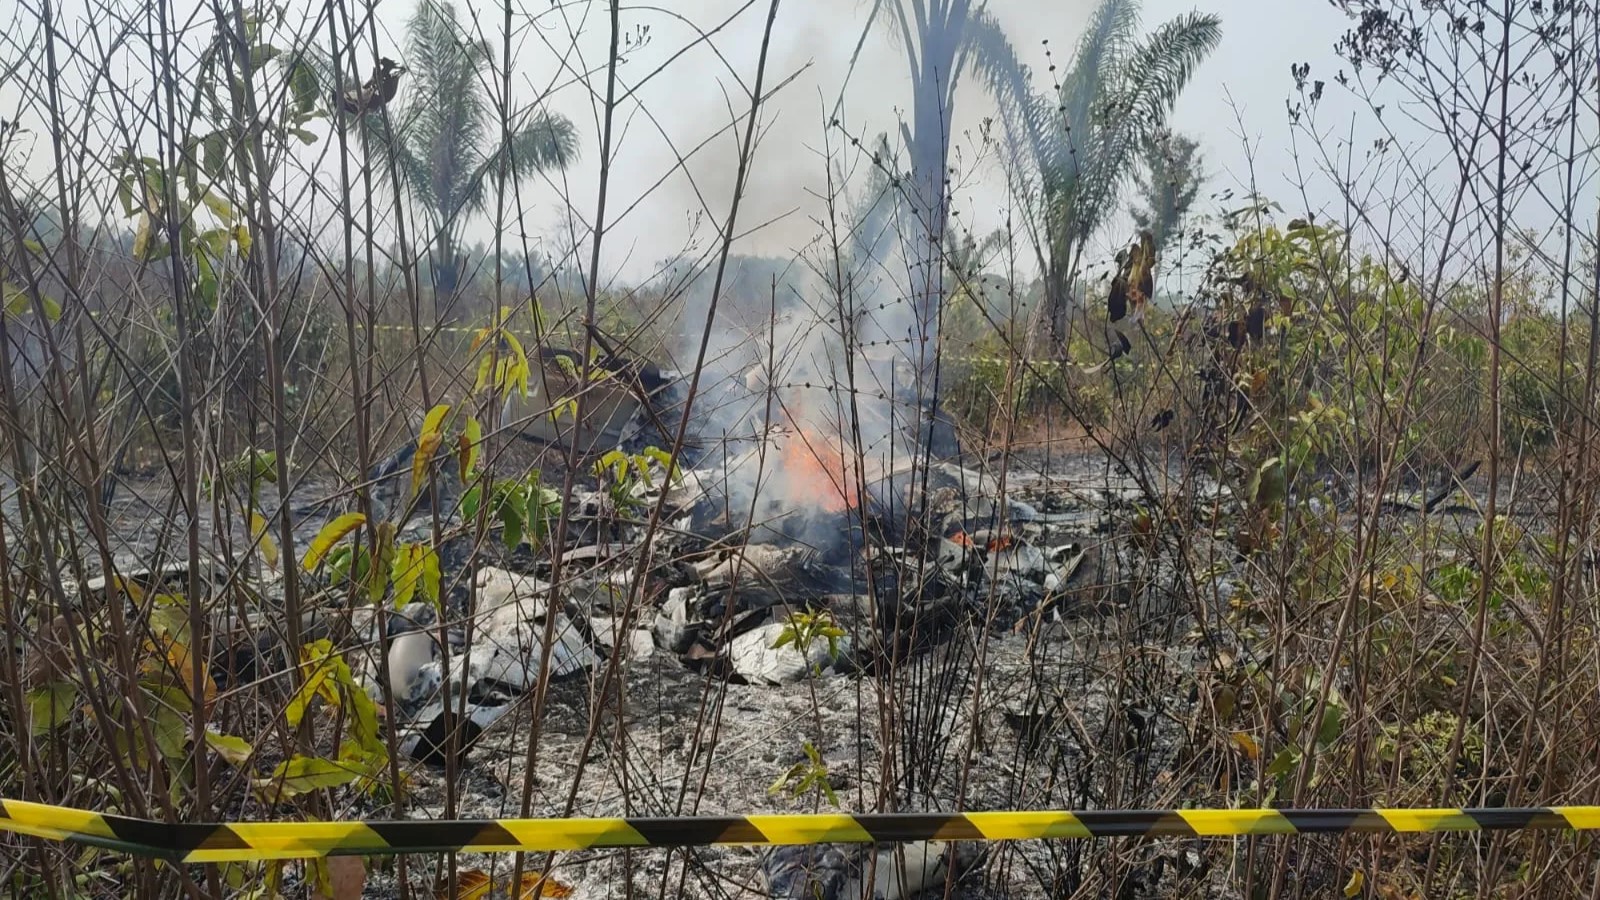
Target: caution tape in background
[242, 841]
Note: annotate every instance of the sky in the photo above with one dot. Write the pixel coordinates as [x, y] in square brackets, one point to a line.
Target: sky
[1236, 100]
[1235, 106]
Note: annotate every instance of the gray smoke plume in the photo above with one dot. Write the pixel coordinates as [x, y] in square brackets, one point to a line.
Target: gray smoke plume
[802, 401]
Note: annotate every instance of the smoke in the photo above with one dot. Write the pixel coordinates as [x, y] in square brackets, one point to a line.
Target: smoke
[803, 397]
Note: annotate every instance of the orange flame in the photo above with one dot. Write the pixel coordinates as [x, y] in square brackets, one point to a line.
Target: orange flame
[815, 475]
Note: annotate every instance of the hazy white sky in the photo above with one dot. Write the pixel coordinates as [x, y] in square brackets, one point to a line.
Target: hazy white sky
[1249, 73]
[1236, 99]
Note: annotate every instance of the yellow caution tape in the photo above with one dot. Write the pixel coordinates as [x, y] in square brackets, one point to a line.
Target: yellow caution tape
[241, 841]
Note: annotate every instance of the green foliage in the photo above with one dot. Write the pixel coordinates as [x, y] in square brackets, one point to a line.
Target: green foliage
[250, 469]
[503, 366]
[213, 162]
[1537, 406]
[453, 152]
[804, 629]
[1114, 97]
[811, 774]
[15, 301]
[331, 534]
[623, 476]
[525, 508]
[362, 753]
[1168, 180]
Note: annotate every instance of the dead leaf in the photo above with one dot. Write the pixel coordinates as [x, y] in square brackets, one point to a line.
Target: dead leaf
[471, 884]
[347, 878]
[1248, 744]
[531, 887]
[48, 656]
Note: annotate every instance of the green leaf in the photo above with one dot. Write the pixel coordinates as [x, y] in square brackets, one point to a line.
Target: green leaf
[1332, 722]
[214, 154]
[331, 534]
[512, 527]
[1283, 763]
[236, 750]
[261, 54]
[18, 303]
[219, 206]
[170, 730]
[50, 706]
[303, 84]
[125, 196]
[471, 500]
[303, 774]
[347, 564]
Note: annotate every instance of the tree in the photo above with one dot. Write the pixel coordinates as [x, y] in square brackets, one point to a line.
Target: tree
[941, 39]
[1167, 180]
[1073, 147]
[446, 135]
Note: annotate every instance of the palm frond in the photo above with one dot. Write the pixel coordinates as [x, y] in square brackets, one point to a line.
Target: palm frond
[447, 118]
[1023, 114]
[1136, 105]
[1160, 67]
[539, 142]
[1110, 38]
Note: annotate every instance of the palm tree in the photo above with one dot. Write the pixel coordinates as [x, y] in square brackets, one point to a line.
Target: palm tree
[1074, 146]
[446, 135]
[1167, 181]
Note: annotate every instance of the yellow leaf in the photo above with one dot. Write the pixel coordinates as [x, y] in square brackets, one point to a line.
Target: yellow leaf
[1248, 744]
[219, 206]
[233, 749]
[433, 422]
[426, 446]
[431, 576]
[314, 658]
[301, 774]
[269, 548]
[531, 887]
[125, 587]
[1352, 887]
[471, 884]
[485, 367]
[518, 372]
[182, 662]
[407, 571]
[331, 533]
[241, 236]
